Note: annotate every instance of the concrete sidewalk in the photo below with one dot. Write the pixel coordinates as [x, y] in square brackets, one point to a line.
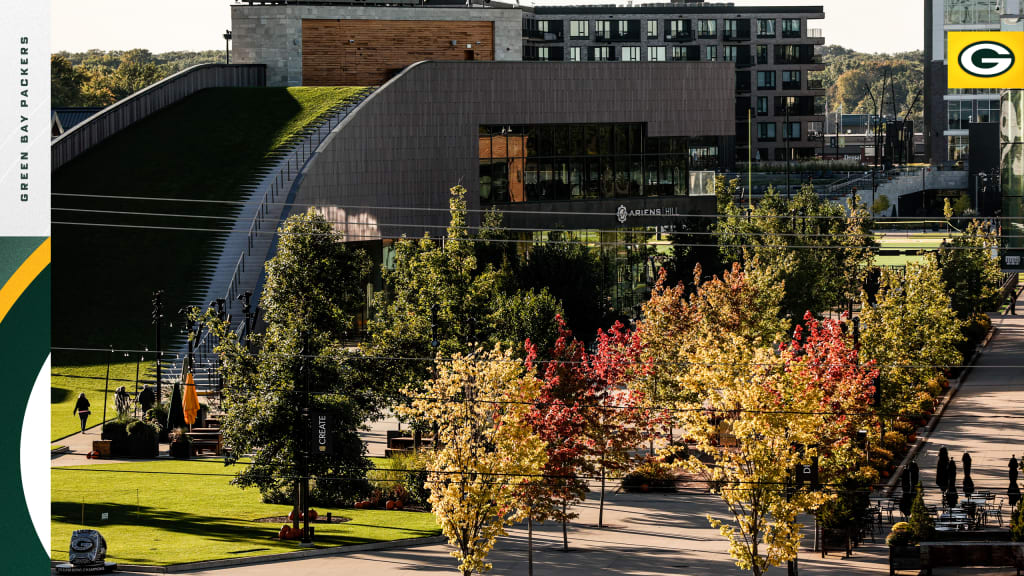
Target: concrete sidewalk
[985, 418]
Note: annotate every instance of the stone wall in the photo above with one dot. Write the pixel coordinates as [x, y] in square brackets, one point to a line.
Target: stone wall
[273, 35]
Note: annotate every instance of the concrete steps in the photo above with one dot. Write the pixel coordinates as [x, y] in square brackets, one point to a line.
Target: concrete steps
[235, 265]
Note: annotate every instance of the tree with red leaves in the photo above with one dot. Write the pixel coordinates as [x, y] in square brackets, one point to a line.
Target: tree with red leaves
[560, 418]
[617, 425]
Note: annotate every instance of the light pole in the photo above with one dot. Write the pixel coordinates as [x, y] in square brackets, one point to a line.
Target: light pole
[227, 51]
[158, 314]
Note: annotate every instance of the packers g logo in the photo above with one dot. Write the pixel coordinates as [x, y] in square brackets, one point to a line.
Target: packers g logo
[986, 59]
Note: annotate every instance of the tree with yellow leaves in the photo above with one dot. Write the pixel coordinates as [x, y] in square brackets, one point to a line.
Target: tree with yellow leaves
[758, 407]
[486, 448]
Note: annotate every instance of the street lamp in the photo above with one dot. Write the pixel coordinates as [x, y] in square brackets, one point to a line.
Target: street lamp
[227, 51]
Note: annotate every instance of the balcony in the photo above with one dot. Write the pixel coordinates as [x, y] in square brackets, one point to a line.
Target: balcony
[707, 35]
[791, 85]
[767, 138]
[542, 36]
[815, 84]
[684, 36]
[791, 34]
[616, 37]
[735, 35]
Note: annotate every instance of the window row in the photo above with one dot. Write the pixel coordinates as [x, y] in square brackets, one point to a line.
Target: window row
[520, 180]
[960, 113]
[674, 29]
[766, 131]
[546, 140]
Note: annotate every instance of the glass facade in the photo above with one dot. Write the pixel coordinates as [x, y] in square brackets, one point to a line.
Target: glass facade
[553, 162]
[960, 12]
[1011, 167]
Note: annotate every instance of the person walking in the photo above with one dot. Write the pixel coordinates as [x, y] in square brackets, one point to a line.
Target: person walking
[82, 409]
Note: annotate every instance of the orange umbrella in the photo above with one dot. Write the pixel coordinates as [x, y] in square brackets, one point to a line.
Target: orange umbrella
[190, 403]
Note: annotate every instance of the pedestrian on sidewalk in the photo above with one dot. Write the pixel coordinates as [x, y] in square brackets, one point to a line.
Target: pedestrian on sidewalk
[82, 409]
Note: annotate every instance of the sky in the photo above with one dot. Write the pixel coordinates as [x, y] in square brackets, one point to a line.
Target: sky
[78, 25]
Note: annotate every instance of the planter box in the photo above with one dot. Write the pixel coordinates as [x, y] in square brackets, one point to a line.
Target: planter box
[904, 558]
[102, 447]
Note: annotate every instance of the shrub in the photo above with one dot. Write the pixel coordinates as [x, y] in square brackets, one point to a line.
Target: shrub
[900, 535]
[157, 416]
[402, 475]
[653, 474]
[143, 440]
[117, 432]
[894, 440]
[1017, 525]
[974, 331]
[336, 492]
[921, 524]
[881, 458]
[936, 385]
[849, 508]
[904, 427]
[181, 445]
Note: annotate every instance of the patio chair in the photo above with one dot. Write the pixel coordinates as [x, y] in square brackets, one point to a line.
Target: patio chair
[996, 511]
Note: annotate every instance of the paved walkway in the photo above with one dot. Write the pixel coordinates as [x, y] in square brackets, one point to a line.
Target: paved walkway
[986, 417]
[669, 534]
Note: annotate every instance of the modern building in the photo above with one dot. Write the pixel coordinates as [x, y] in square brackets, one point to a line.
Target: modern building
[772, 50]
[948, 112]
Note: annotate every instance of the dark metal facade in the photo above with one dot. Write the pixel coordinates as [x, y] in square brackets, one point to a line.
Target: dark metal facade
[386, 170]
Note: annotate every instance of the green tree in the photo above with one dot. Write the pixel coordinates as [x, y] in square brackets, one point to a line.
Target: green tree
[970, 269]
[474, 305]
[910, 332]
[921, 523]
[818, 251]
[311, 293]
[65, 82]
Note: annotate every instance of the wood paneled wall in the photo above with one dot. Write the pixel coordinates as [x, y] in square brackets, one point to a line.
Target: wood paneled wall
[369, 52]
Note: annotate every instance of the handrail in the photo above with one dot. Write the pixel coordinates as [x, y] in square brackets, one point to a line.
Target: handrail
[152, 98]
[298, 154]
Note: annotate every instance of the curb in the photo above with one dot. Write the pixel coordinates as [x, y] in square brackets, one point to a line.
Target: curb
[922, 439]
[284, 556]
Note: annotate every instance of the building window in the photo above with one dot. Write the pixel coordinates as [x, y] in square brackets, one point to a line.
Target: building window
[729, 29]
[711, 53]
[542, 53]
[707, 28]
[553, 162]
[656, 53]
[542, 25]
[762, 105]
[652, 28]
[988, 111]
[789, 54]
[792, 131]
[766, 28]
[575, 54]
[762, 54]
[956, 148]
[958, 114]
[679, 30]
[630, 53]
[728, 53]
[678, 53]
[766, 80]
[766, 131]
[790, 27]
[603, 29]
[579, 29]
[971, 12]
[601, 53]
[790, 79]
[623, 27]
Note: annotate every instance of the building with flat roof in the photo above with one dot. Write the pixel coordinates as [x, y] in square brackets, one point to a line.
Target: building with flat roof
[948, 112]
[772, 50]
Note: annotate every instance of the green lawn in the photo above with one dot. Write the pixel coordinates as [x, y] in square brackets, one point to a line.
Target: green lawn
[173, 518]
[66, 382]
[205, 147]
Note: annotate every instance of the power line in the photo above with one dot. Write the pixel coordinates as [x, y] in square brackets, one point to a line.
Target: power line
[637, 243]
[500, 210]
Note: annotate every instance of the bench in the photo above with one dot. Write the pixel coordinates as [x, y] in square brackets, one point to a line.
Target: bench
[206, 441]
[963, 554]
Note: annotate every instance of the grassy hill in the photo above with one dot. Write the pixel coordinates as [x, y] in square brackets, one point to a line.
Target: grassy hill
[203, 148]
